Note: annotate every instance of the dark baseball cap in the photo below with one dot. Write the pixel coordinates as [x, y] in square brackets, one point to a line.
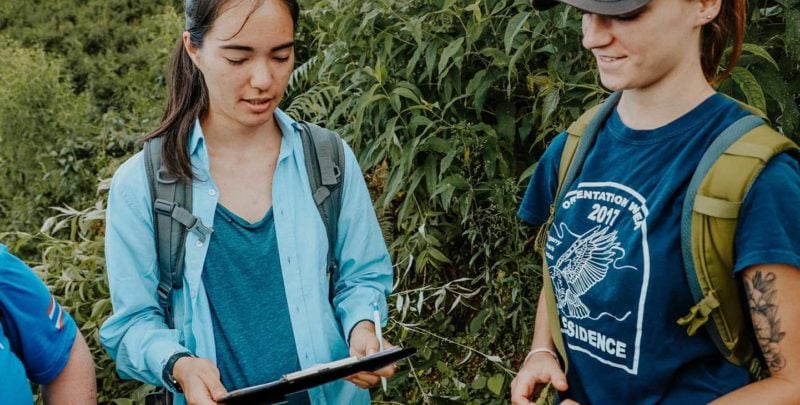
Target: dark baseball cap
[603, 7]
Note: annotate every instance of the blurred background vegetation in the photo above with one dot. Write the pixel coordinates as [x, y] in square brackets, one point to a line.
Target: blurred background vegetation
[447, 103]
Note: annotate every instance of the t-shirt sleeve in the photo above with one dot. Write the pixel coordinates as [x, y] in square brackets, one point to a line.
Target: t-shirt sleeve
[769, 222]
[535, 207]
[39, 331]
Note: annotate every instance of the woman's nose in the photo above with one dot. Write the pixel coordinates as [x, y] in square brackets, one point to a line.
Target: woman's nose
[261, 77]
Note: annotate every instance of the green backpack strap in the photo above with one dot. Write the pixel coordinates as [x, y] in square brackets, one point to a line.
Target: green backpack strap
[171, 222]
[580, 138]
[708, 227]
[324, 158]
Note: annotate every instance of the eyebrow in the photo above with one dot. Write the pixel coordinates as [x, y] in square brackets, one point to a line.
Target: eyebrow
[251, 49]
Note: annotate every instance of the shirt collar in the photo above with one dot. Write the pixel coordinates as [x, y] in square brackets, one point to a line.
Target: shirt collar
[289, 128]
[197, 139]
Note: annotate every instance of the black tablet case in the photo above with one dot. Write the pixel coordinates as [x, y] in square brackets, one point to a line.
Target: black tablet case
[276, 391]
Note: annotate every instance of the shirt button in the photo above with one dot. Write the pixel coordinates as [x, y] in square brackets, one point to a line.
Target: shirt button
[212, 192]
[289, 259]
[199, 243]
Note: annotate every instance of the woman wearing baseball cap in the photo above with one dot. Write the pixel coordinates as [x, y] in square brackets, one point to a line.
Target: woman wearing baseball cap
[613, 247]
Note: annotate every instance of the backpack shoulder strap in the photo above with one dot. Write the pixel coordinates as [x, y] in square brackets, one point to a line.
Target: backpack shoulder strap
[580, 138]
[708, 227]
[325, 165]
[574, 134]
[171, 221]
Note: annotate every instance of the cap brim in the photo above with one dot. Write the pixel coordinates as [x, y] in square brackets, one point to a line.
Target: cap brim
[544, 4]
[607, 7]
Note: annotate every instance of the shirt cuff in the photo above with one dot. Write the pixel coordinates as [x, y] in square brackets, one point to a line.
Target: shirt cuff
[357, 308]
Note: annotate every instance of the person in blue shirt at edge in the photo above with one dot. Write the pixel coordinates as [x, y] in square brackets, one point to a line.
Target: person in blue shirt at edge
[39, 342]
[663, 56]
[255, 300]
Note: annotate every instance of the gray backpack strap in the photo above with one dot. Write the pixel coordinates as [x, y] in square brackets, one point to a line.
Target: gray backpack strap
[324, 158]
[171, 221]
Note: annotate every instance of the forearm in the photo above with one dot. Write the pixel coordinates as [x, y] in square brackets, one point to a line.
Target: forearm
[773, 390]
[541, 328]
[76, 383]
[770, 291]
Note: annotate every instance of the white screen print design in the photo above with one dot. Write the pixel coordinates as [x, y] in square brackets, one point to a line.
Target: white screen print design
[600, 266]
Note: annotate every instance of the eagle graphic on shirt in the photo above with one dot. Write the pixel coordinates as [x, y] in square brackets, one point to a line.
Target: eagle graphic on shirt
[581, 266]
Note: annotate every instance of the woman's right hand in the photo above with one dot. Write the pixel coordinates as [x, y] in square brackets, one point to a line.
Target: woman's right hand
[538, 370]
[199, 379]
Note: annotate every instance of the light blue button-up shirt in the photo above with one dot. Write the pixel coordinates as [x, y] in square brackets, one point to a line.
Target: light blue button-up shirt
[136, 335]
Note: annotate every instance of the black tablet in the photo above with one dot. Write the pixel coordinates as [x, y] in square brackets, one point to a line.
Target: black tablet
[276, 391]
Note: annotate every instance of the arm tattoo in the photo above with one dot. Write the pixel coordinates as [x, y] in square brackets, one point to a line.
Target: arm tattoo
[763, 301]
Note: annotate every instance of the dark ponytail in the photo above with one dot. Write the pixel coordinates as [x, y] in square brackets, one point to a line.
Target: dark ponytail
[187, 92]
[728, 26]
[187, 100]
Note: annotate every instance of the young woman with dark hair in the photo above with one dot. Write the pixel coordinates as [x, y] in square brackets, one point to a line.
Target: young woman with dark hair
[254, 304]
[619, 279]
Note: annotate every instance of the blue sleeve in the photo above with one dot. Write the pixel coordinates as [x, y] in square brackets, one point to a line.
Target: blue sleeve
[39, 331]
[136, 335]
[769, 222]
[365, 268]
[535, 207]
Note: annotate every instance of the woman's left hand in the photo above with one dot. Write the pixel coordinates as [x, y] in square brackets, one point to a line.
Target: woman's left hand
[363, 342]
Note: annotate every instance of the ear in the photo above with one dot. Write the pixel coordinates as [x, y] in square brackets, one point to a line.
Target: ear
[707, 11]
[191, 50]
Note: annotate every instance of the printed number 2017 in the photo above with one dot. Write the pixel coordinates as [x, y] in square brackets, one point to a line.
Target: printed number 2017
[603, 214]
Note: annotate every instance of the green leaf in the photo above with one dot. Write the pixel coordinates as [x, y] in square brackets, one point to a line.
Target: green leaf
[760, 52]
[506, 120]
[550, 104]
[438, 255]
[477, 322]
[431, 177]
[436, 144]
[430, 59]
[476, 81]
[456, 180]
[448, 53]
[476, 10]
[404, 92]
[512, 29]
[482, 91]
[395, 181]
[419, 121]
[750, 87]
[479, 383]
[495, 384]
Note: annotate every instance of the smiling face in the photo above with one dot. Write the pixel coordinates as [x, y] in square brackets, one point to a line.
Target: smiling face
[655, 45]
[246, 60]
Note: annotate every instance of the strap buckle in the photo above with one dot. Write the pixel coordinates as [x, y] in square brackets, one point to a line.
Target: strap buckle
[164, 207]
[698, 314]
[200, 230]
[182, 216]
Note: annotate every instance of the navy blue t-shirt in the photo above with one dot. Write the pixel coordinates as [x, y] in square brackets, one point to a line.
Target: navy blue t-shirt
[36, 335]
[615, 257]
[244, 282]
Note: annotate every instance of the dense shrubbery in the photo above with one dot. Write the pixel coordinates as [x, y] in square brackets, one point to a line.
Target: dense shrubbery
[447, 103]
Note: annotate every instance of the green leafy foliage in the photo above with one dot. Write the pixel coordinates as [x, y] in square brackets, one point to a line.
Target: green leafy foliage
[43, 128]
[448, 104]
